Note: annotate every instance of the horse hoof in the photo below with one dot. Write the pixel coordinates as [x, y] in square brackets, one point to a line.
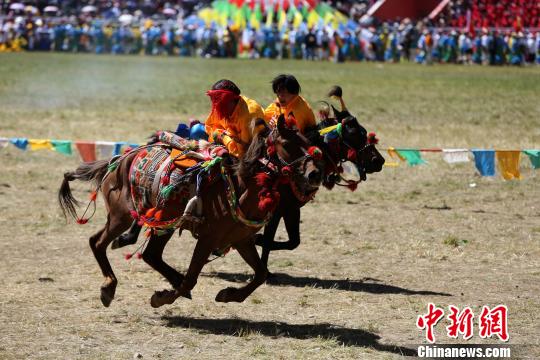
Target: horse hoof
[164, 297]
[106, 297]
[227, 295]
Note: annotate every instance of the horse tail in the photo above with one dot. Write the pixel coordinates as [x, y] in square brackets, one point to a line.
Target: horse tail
[93, 171]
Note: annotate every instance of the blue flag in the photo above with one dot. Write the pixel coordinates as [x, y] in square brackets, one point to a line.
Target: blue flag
[21, 143]
[485, 161]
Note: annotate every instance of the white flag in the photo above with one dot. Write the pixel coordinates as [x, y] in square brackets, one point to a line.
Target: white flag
[453, 156]
[104, 149]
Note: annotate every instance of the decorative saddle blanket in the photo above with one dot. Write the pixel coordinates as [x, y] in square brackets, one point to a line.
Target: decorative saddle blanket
[166, 175]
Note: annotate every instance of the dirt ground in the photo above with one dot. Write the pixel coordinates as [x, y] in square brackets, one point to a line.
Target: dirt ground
[368, 265]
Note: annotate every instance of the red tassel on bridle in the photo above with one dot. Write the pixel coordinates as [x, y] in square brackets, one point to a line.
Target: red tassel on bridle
[315, 153]
[372, 139]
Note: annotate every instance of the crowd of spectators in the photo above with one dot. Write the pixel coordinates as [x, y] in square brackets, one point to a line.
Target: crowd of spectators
[159, 28]
[516, 14]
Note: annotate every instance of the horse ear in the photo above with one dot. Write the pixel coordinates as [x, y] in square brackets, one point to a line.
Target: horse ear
[259, 128]
[340, 115]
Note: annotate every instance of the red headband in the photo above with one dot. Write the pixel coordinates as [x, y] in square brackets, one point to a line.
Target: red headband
[219, 99]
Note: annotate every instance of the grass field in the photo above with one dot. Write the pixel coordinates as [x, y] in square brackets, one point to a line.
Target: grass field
[369, 262]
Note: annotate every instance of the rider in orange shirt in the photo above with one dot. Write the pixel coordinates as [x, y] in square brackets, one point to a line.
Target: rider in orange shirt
[290, 103]
[231, 116]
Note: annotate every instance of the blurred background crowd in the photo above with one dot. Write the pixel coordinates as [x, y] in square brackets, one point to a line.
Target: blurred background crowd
[461, 31]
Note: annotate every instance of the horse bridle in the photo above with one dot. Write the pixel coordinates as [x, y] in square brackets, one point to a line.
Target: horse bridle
[341, 160]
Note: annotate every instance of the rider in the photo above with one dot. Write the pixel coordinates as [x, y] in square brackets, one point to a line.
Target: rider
[290, 103]
[229, 123]
[231, 116]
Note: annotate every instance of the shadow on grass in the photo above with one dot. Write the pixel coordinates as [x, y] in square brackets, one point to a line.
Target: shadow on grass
[368, 285]
[240, 327]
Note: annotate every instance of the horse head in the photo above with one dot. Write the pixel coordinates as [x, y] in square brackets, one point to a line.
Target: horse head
[348, 140]
[281, 155]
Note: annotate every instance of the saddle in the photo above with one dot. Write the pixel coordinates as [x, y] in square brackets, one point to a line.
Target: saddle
[167, 174]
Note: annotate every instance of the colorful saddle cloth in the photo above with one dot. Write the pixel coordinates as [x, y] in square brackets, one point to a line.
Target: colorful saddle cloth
[166, 175]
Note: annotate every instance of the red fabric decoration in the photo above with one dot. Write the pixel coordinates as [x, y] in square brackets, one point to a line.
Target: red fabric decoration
[263, 179]
[352, 186]
[134, 214]
[82, 221]
[150, 213]
[351, 154]
[93, 196]
[372, 138]
[220, 99]
[286, 171]
[315, 152]
[159, 215]
[128, 256]
[268, 200]
[139, 255]
[141, 221]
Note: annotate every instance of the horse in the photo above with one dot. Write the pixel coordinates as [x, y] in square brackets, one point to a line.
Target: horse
[351, 143]
[273, 157]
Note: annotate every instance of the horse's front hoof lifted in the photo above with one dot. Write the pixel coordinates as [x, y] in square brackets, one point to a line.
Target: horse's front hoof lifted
[164, 297]
[229, 294]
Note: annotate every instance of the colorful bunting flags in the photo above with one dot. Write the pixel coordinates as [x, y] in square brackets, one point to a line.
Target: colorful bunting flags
[508, 161]
[105, 149]
[534, 156]
[21, 143]
[87, 150]
[412, 156]
[62, 146]
[485, 161]
[37, 144]
[453, 156]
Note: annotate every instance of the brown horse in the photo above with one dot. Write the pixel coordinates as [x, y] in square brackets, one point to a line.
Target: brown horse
[289, 160]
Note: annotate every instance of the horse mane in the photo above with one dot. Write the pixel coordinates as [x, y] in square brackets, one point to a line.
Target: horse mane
[248, 164]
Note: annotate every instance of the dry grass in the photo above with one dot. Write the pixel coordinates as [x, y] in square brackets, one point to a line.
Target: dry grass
[369, 262]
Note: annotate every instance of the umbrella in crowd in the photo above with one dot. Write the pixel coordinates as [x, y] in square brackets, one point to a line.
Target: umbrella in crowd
[50, 9]
[17, 6]
[89, 8]
[125, 19]
[169, 11]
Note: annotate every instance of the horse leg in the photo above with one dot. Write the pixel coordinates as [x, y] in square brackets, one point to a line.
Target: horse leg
[202, 250]
[249, 253]
[268, 236]
[129, 238]
[291, 217]
[98, 243]
[153, 256]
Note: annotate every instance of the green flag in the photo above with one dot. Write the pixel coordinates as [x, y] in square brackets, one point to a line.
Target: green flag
[412, 156]
[62, 146]
[534, 156]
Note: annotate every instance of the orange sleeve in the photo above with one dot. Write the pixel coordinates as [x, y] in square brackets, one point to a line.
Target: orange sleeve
[271, 111]
[304, 116]
[213, 124]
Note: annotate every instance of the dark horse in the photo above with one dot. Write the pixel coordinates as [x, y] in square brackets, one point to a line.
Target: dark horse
[291, 160]
[351, 143]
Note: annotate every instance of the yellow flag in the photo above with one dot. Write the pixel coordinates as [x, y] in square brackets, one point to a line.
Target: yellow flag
[312, 19]
[508, 163]
[297, 19]
[40, 144]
